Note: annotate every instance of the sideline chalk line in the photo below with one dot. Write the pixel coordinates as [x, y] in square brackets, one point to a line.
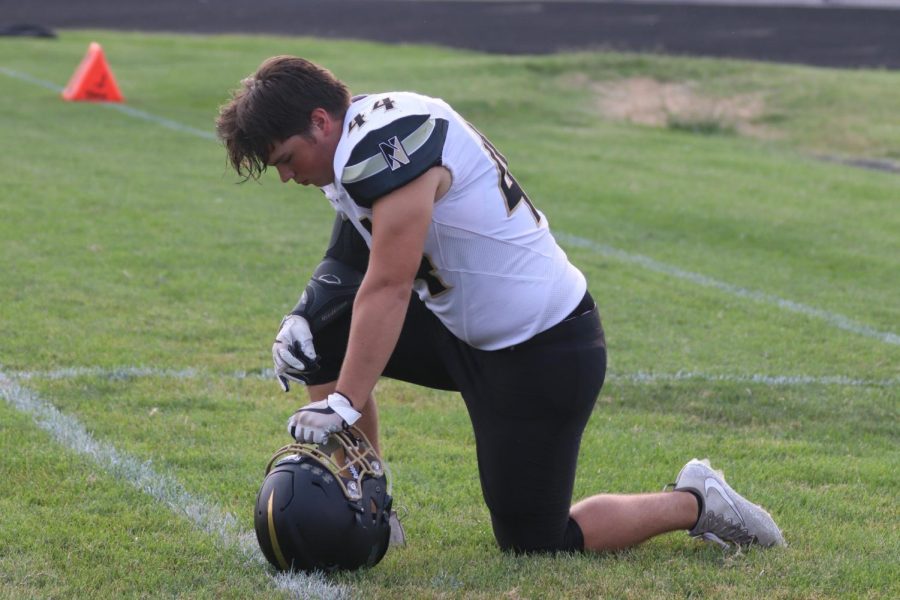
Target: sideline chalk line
[834, 319]
[207, 517]
[122, 108]
[837, 320]
[639, 377]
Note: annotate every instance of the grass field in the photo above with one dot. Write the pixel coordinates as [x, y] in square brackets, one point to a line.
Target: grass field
[749, 293]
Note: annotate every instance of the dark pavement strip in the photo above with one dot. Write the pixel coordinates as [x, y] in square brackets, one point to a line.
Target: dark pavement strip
[837, 36]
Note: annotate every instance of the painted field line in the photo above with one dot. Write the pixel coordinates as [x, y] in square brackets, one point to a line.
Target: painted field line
[640, 377]
[122, 108]
[769, 380]
[834, 319]
[114, 374]
[207, 517]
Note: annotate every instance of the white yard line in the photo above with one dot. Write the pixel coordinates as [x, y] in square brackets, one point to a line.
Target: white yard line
[103, 373]
[206, 516]
[757, 378]
[640, 377]
[834, 319]
[168, 123]
[122, 108]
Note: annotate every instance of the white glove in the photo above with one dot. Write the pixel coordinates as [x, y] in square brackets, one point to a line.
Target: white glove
[314, 422]
[293, 352]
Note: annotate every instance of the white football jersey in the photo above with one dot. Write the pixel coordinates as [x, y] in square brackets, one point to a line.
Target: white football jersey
[492, 271]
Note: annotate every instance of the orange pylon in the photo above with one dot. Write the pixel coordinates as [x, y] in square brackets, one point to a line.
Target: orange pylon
[93, 80]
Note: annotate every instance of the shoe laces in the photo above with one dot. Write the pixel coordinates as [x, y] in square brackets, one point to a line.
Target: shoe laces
[726, 530]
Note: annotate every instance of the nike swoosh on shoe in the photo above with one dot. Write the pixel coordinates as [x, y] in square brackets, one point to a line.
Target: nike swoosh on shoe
[711, 483]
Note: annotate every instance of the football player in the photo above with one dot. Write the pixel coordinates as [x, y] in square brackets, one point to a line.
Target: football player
[442, 272]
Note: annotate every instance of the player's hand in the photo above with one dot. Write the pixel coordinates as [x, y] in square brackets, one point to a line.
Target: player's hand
[313, 423]
[293, 352]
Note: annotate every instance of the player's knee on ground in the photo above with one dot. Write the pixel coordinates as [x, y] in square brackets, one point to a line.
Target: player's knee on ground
[529, 537]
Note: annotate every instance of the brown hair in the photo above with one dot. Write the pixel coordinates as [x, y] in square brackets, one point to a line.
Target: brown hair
[272, 105]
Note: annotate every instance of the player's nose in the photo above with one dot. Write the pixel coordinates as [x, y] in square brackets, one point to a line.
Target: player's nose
[285, 173]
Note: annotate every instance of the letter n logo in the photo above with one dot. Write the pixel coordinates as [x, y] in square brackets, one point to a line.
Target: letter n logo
[394, 153]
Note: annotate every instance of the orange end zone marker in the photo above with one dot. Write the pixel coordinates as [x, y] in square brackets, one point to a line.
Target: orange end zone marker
[93, 80]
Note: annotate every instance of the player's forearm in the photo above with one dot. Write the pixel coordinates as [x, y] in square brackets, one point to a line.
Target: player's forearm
[368, 423]
[378, 314]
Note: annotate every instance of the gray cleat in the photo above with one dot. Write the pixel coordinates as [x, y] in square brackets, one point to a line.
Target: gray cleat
[725, 515]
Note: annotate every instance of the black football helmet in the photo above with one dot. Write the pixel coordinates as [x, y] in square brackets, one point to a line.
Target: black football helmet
[324, 507]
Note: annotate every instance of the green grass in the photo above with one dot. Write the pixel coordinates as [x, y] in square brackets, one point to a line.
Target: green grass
[128, 244]
[70, 531]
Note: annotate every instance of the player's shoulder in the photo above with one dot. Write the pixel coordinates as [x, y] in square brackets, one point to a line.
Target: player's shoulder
[389, 139]
[386, 112]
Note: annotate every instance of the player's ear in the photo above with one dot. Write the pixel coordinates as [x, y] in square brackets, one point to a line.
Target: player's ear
[320, 119]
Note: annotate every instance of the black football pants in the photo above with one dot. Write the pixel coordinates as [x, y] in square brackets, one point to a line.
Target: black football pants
[528, 404]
